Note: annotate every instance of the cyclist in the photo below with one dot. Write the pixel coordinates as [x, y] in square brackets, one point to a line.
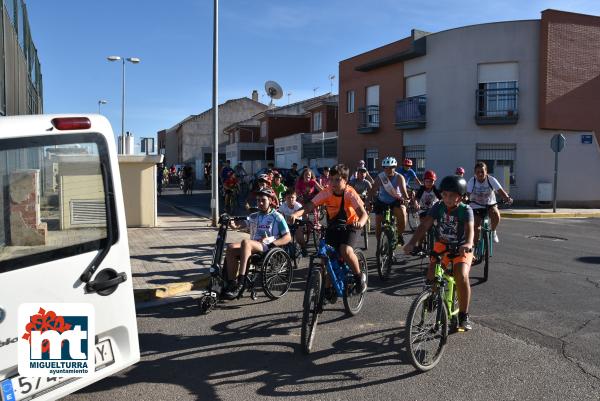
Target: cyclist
[306, 189]
[427, 195]
[240, 171]
[261, 182]
[361, 164]
[346, 216]
[278, 186]
[324, 178]
[287, 208]
[360, 184]
[453, 225]
[267, 229]
[481, 190]
[230, 186]
[391, 193]
[460, 171]
[408, 173]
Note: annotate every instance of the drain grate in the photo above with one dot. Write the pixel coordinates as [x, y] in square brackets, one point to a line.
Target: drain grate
[546, 237]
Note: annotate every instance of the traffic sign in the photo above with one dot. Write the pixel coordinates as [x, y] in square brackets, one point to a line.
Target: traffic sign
[558, 142]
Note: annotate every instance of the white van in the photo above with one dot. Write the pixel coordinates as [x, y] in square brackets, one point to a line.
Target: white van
[63, 239]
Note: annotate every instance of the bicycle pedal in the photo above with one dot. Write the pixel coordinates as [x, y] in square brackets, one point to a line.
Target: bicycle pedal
[460, 330]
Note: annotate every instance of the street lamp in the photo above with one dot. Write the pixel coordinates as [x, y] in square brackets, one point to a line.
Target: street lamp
[133, 60]
[101, 102]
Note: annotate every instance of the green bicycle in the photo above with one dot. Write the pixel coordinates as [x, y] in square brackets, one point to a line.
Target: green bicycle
[431, 315]
[386, 244]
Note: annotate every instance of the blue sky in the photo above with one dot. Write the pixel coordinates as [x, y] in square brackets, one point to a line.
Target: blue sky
[297, 43]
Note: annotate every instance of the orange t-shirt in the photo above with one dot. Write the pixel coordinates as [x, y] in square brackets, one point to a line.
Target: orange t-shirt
[332, 202]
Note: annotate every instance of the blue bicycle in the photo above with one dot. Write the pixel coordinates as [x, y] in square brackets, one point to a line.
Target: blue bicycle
[328, 279]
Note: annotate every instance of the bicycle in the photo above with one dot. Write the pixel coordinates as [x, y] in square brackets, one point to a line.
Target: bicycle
[230, 200]
[387, 243]
[431, 315]
[186, 185]
[367, 227]
[274, 266]
[325, 268]
[293, 248]
[485, 244]
[412, 211]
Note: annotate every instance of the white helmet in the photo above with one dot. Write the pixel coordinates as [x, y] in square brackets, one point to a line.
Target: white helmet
[389, 162]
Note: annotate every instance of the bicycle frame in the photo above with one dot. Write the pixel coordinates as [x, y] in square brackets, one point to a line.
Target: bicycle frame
[337, 273]
[447, 287]
[485, 230]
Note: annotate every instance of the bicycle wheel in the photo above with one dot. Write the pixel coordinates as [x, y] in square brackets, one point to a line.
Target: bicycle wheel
[277, 272]
[486, 237]
[315, 235]
[413, 218]
[353, 302]
[426, 330]
[311, 307]
[385, 254]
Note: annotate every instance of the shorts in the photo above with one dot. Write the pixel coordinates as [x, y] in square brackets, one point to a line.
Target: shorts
[440, 247]
[380, 207]
[336, 237]
[482, 212]
[423, 214]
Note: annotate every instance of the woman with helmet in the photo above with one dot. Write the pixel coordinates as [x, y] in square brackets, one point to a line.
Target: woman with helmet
[408, 173]
[453, 226]
[391, 193]
[268, 228]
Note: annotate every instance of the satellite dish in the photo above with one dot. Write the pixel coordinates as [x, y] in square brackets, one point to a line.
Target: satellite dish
[273, 90]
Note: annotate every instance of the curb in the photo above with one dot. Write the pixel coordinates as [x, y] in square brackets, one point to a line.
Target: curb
[169, 290]
[548, 215]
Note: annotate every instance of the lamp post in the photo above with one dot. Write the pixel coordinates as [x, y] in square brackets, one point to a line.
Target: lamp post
[101, 102]
[214, 201]
[132, 60]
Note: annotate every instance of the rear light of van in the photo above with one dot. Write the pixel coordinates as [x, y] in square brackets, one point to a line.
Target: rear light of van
[71, 123]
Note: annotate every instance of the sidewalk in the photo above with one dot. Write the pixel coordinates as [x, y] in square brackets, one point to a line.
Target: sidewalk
[546, 213]
[174, 257]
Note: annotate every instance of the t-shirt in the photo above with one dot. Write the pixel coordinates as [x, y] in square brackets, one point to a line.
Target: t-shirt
[306, 190]
[286, 210]
[407, 174]
[225, 172]
[230, 182]
[332, 203]
[264, 225]
[483, 193]
[323, 181]
[383, 194]
[279, 189]
[361, 186]
[447, 227]
[427, 198]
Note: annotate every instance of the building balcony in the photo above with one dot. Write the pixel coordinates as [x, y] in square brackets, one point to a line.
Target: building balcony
[496, 106]
[368, 119]
[411, 113]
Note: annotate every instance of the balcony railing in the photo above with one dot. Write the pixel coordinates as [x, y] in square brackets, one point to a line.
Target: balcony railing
[411, 112]
[368, 119]
[497, 106]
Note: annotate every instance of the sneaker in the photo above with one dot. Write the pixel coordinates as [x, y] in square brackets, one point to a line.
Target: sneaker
[330, 295]
[360, 281]
[233, 289]
[401, 239]
[464, 322]
[495, 236]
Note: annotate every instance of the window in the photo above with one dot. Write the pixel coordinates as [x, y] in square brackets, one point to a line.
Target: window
[416, 85]
[417, 154]
[500, 159]
[52, 199]
[497, 89]
[371, 156]
[317, 121]
[350, 101]
[10, 10]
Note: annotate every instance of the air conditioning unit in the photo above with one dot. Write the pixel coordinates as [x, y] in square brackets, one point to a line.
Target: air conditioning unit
[544, 193]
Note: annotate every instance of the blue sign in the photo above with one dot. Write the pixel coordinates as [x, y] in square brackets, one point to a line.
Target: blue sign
[587, 139]
[8, 393]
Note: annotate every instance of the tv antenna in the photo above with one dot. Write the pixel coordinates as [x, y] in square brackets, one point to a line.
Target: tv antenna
[315, 91]
[288, 95]
[274, 91]
[331, 78]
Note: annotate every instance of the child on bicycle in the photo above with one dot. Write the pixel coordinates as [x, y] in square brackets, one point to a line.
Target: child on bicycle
[267, 229]
[278, 186]
[427, 195]
[346, 216]
[287, 208]
[453, 226]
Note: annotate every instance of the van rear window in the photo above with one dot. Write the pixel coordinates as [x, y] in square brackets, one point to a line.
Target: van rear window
[52, 198]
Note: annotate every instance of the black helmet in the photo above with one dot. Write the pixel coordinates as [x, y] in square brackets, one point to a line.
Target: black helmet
[454, 183]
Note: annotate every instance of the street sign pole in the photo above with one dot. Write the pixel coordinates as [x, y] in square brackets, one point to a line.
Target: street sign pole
[557, 143]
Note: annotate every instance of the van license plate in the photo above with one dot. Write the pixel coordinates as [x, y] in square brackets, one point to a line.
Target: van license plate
[21, 387]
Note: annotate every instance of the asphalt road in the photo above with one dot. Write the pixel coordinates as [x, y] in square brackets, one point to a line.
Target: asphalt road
[536, 336]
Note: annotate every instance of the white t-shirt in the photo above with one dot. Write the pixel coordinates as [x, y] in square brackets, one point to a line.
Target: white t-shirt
[483, 193]
[286, 210]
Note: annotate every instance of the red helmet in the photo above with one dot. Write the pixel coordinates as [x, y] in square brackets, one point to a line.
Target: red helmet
[407, 162]
[430, 175]
[460, 170]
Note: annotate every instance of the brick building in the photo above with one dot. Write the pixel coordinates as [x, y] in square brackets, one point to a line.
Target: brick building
[495, 92]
